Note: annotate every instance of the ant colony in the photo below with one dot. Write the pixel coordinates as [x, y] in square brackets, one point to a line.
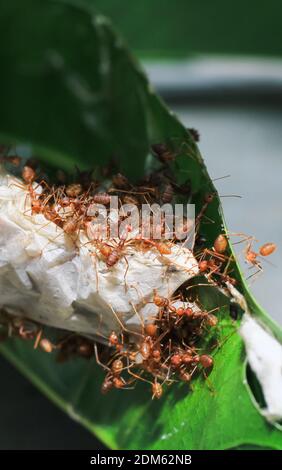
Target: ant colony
[124, 298]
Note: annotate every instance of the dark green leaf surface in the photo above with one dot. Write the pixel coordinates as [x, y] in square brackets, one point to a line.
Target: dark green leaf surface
[69, 88]
[182, 28]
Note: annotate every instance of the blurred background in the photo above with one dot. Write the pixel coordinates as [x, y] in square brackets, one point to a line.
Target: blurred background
[218, 65]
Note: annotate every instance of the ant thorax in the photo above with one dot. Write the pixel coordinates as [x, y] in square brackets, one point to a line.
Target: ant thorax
[62, 279]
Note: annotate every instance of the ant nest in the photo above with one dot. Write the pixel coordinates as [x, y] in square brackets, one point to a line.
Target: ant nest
[118, 299]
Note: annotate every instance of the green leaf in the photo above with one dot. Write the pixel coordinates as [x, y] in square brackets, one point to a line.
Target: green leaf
[174, 28]
[71, 90]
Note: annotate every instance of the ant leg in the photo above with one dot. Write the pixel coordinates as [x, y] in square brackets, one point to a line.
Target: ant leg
[218, 256]
[126, 271]
[51, 241]
[38, 338]
[64, 340]
[138, 377]
[209, 383]
[162, 336]
[98, 333]
[227, 266]
[223, 341]
[139, 316]
[122, 325]
[43, 226]
[96, 272]
[98, 359]
[244, 237]
[255, 274]
[140, 295]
